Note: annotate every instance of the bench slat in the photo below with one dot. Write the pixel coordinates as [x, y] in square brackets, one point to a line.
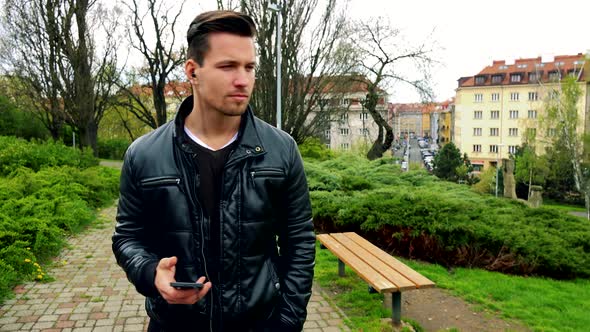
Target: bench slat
[419, 280]
[370, 258]
[366, 272]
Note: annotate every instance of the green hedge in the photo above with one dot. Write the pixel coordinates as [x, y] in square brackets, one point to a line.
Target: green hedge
[416, 215]
[56, 195]
[16, 152]
[112, 148]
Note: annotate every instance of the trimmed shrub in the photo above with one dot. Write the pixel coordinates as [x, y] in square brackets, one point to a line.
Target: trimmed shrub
[113, 148]
[41, 204]
[416, 215]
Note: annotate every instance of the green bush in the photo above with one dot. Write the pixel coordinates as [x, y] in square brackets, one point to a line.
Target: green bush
[312, 148]
[113, 148]
[16, 152]
[14, 122]
[39, 206]
[419, 216]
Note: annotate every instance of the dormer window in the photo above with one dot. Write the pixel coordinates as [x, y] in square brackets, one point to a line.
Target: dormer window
[503, 67]
[522, 65]
[497, 79]
[480, 80]
[554, 75]
[515, 78]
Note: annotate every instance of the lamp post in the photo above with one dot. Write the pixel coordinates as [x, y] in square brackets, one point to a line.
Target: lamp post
[277, 9]
[498, 166]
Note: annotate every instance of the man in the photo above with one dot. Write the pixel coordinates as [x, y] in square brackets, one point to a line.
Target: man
[217, 197]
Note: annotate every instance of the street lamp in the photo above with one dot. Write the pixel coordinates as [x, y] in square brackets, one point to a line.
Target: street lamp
[498, 166]
[277, 9]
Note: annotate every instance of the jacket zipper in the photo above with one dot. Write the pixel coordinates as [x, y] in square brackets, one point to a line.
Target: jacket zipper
[268, 172]
[157, 182]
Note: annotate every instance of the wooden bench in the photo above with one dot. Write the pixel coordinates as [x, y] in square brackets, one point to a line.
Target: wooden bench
[381, 271]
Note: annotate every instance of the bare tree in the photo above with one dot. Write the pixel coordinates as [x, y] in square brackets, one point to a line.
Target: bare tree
[381, 55]
[160, 54]
[314, 58]
[76, 84]
[30, 59]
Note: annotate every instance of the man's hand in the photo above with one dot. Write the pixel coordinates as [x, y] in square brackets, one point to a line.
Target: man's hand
[165, 275]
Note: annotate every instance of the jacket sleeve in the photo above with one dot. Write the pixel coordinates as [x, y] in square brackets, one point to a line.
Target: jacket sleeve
[297, 247]
[129, 239]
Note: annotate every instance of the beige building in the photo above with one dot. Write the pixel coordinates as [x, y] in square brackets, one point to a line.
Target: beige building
[501, 107]
[351, 124]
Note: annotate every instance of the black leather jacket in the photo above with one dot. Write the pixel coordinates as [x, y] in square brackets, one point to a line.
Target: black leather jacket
[267, 242]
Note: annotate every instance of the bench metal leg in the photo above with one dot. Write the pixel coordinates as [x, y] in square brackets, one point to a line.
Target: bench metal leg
[340, 268]
[323, 246]
[396, 308]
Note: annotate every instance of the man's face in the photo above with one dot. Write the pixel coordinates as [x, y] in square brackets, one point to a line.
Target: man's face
[225, 81]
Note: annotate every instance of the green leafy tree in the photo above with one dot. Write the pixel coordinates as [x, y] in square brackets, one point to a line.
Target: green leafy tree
[447, 161]
[562, 114]
[530, 168]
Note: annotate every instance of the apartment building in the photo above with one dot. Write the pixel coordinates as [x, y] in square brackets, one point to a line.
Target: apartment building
[498, 108]
[442, 122]
[351, 124]
[407, 119]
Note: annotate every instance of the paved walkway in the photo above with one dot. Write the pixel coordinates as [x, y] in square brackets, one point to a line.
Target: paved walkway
[91, 293]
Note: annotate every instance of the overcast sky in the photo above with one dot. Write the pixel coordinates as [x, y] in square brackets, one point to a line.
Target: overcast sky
[473, 33]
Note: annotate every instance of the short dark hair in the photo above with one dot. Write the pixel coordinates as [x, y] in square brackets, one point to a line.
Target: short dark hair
[206, 23]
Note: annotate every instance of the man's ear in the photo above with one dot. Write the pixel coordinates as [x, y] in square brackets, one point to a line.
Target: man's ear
[190, 68]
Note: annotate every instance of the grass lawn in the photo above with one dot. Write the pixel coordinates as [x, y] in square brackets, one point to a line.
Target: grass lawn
[541, 304]
[563, 207]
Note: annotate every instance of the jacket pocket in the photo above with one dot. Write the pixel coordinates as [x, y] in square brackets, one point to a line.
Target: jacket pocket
[159, 181]
[267, 173]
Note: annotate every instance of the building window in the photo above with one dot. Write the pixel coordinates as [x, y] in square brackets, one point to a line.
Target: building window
[496, 79]
[364, 116]
[495, 114]
[533, 78]
[531, 132]
[476, 147]
[495, 96]
[344, 131]
[554, 76]
[477, 114]
[344, 146]
[512, 149]
[363, 131]
[521, 65]
[493, 148]
[514, 114]
[551, 132]
[503, 67]
[512, 131]
[515, 78]
[479, 80]
[327, 134]
[476, 131]
[533, 96]
[514, 96]
[478, 97]
[532, 114]
[328, 146]
[494, 132]
[554, 94]
[344, 117]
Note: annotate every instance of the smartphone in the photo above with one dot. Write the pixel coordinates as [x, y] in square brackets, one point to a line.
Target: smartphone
[186, 285]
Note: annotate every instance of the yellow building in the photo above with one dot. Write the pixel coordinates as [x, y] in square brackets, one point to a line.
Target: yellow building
[497, 109]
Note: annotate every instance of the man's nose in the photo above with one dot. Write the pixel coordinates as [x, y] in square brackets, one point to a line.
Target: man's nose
[242, 78]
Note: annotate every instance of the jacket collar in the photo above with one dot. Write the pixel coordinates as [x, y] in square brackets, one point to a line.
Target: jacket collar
[248, 142]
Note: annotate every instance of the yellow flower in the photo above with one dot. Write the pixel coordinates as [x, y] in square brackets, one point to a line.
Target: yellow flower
[39, 276]
[28, 248]
[36, 264]
[38, 270]
[27, 260]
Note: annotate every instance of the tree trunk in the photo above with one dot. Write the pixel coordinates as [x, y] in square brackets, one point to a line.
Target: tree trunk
[160, 103]
[89, 137]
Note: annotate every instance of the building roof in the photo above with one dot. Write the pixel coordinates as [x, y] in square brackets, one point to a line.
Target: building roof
[528, 71]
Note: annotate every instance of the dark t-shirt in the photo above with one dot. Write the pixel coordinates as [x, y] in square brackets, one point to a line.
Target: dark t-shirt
[210, 166]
